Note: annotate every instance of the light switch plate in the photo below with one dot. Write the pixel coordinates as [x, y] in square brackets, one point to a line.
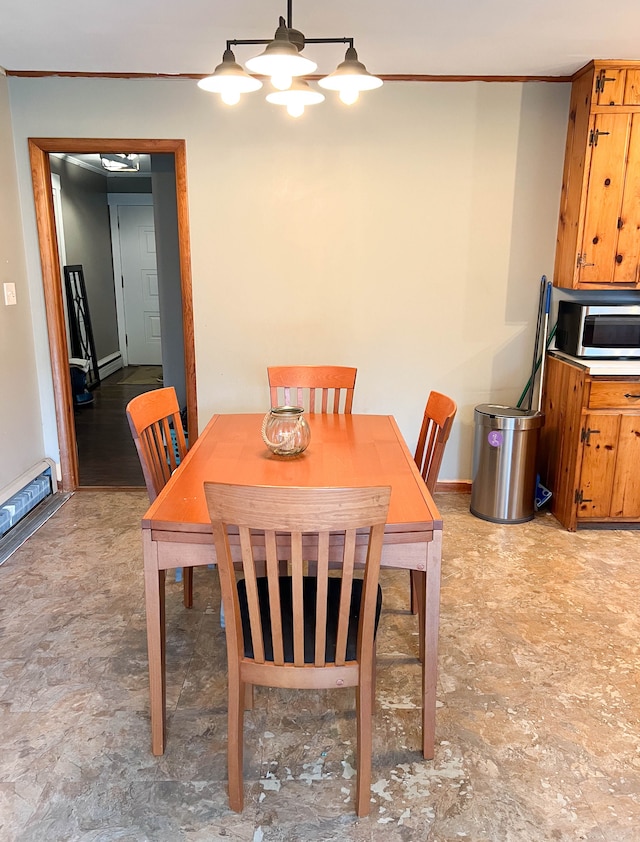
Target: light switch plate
[10, 294]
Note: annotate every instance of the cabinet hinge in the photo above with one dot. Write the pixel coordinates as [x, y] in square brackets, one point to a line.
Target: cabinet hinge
[602, 80]
[581, 260]
[585, 434]
[580, 499]
[594, 134]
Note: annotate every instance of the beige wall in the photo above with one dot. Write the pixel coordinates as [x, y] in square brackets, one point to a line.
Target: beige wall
[21, 443]
[406, 236]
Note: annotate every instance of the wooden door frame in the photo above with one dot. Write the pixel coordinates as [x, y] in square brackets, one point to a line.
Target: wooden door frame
[39, 150]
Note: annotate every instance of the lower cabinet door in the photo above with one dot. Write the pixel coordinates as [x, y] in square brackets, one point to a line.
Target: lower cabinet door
[598, 465]
[625, 500]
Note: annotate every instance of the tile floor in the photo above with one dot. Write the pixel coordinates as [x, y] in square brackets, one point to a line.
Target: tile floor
[538, 729]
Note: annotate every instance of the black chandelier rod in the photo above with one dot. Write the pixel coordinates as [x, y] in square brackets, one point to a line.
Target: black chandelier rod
[233, 42]
[348, 41]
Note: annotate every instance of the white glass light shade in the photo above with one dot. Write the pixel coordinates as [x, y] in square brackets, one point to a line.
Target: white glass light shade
[349, 95]
[232, 97]
[296, 97]
[281, 83]
[229, 80]
[350, 76]
[281, 57]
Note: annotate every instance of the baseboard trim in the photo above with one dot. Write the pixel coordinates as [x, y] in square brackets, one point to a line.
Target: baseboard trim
[460, 486]
[109, 365]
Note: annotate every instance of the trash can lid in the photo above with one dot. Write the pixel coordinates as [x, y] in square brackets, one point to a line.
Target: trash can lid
[496, 416]
[496, 409]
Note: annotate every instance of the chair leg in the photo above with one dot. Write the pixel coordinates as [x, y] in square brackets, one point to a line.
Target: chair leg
[187, 579]
[235, 740]
[364, 715]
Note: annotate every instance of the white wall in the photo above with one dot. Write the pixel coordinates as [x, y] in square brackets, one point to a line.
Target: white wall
[21, 444]
[406, 236]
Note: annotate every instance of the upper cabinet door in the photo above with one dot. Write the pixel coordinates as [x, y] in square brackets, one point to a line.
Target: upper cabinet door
[608, 138]
[632, 88]
[627, 259]
[609, 86]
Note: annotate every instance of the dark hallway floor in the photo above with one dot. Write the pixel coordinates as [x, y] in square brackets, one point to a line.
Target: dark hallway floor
[106, 452]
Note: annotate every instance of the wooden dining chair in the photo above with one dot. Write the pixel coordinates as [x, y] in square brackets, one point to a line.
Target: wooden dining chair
[317, 388]
[156, 427]
[299, 631]
[437, 422]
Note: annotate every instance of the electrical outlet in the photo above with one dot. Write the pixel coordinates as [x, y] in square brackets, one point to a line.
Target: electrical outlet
[10, 294]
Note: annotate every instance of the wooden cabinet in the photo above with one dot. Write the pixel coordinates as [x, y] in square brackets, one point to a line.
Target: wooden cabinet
[599, 226]
[590, 445]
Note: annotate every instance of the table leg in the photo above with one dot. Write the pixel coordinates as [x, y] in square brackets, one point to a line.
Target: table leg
[154, 593]
[430, 619]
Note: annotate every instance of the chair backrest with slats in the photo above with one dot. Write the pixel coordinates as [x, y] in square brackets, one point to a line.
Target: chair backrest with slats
[434, 433]
[156, 427]
[308, 618]
[317, 388]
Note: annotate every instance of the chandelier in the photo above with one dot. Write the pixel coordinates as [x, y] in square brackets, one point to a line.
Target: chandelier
[283, 62]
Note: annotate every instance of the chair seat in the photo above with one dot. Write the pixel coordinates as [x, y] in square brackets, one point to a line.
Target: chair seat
[309, 590]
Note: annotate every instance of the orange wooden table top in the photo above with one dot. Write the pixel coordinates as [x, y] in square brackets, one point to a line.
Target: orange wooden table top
[345, 450]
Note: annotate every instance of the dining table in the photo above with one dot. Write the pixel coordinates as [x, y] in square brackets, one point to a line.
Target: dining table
[345, 450]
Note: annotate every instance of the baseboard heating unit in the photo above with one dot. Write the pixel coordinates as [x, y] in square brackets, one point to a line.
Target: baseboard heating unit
[26, 503]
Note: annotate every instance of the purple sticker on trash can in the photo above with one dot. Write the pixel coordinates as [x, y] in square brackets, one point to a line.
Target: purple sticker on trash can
[495, 438]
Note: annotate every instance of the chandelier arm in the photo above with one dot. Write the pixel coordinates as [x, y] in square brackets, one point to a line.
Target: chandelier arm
[348, 41]
[235, 41]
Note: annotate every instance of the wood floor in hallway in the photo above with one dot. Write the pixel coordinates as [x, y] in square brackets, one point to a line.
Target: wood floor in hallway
[106, 453]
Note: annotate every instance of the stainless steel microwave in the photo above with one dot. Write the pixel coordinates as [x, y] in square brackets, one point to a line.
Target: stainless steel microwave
[609, 331]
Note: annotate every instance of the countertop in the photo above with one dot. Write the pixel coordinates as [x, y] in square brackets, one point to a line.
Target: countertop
[602, 367]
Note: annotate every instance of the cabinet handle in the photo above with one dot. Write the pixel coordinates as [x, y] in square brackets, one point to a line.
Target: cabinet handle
[629, 395]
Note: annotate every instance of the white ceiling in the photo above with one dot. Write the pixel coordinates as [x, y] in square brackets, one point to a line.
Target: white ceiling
[449, 37]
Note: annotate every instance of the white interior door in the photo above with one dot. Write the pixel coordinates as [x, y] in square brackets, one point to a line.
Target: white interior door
[140, 284]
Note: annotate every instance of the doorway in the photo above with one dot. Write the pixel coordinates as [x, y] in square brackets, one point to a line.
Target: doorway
[40, 148]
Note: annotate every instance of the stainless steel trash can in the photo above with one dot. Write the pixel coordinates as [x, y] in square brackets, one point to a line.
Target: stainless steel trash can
[504, 463]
